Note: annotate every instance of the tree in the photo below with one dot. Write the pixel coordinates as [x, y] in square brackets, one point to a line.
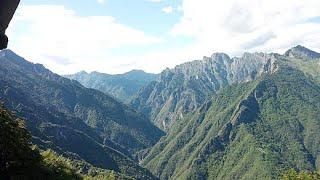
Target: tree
[16, 155]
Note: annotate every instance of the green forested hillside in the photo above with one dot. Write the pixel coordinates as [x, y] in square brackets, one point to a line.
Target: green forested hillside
[75, 121]
[19, 159]
[253, 130]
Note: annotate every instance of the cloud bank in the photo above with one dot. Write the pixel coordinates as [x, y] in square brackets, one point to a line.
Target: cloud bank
[245, 25]
[65, 42]
[43, 32]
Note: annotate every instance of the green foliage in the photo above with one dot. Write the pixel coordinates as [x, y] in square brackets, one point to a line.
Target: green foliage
[108, 176]
[18, 160]
[64, 168]
[294, 175]
[59, 166]
[16, 155]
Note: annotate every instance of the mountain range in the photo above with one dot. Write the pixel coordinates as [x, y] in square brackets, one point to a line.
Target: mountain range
[121, 86]
[187, 86]
[255, 129]
[250, 117]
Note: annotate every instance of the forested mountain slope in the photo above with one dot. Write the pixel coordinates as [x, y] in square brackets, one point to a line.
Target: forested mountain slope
[251, 130]
[63, 115]
[20, 159]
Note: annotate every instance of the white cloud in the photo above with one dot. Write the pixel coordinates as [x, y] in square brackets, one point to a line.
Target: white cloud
[179, 8]
[101, 1]
[167, 10]
[244, 25]
[65, 43]
[155, 1]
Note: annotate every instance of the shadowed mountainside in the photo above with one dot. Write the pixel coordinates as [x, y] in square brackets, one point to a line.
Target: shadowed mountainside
[65, 116]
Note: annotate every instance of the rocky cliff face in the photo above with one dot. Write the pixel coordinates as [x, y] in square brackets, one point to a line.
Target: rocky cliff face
[187, 86]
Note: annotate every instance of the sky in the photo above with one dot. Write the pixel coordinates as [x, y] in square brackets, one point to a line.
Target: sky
[116, 36]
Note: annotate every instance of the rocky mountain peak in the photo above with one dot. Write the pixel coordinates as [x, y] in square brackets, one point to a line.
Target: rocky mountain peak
[302, 52]
[221, 58]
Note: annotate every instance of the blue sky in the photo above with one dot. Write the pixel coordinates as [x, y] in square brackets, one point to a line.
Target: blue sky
[141, 14]
[115, 36]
